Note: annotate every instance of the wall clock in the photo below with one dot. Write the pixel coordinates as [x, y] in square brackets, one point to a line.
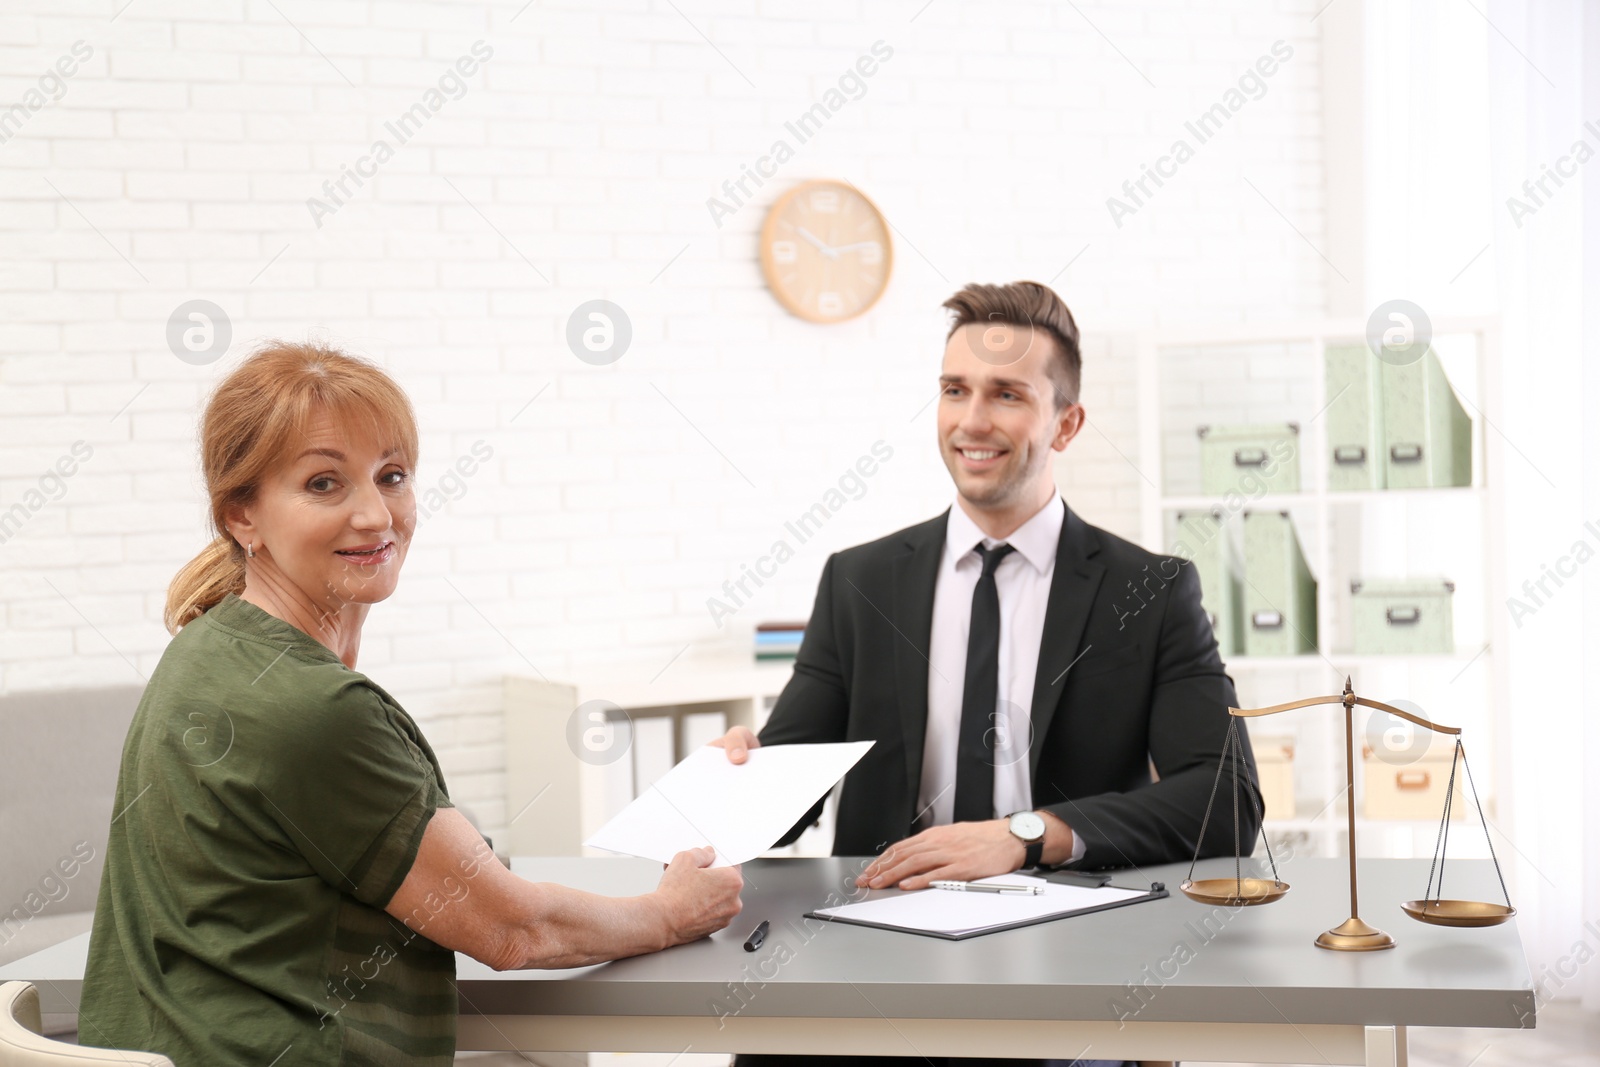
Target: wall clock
[825, 251]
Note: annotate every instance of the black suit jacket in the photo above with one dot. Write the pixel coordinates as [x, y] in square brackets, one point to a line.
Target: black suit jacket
[1128, 675]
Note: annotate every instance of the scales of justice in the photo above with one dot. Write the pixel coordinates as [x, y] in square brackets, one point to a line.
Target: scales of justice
[1352, 935]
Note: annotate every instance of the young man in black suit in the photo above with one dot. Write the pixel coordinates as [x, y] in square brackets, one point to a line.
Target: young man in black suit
[1019, 669]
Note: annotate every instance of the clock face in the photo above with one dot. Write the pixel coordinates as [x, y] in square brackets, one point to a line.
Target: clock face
[825, 251]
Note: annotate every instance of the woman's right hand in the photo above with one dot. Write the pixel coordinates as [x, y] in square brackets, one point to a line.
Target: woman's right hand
[738, 741]
[698, 899]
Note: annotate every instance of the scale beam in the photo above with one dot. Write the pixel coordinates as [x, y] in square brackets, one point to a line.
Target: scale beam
[1250, 713]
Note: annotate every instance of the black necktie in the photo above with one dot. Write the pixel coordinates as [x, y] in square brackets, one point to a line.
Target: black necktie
[980, 697]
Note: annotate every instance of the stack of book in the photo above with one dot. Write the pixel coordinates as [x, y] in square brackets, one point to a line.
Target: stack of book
[778, 640]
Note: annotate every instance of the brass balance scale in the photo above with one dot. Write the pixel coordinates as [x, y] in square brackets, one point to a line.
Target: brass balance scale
[1352, 935]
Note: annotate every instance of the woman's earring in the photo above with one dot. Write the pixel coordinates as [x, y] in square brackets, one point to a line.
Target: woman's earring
[250, 550]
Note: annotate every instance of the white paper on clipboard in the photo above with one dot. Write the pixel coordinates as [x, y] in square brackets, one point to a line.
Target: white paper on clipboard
[954, 915]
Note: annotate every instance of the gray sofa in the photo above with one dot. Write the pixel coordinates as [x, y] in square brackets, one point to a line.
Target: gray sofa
[59, 753]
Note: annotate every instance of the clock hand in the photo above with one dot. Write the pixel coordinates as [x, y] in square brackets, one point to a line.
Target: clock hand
[814, 239]
[853, 247]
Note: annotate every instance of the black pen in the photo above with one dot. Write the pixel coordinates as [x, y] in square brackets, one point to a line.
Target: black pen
[753, 942]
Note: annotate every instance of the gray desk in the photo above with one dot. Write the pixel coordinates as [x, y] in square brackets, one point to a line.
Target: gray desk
[1165, 980]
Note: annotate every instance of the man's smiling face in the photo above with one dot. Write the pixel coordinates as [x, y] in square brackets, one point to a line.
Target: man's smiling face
[998, 419]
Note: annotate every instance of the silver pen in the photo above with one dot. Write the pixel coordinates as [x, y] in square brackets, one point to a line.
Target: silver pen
[989, 887]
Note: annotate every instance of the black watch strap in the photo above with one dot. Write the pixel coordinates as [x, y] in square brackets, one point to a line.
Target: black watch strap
[1032, 853]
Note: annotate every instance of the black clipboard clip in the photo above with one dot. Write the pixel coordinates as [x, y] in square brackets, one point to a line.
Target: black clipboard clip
[1086, 879]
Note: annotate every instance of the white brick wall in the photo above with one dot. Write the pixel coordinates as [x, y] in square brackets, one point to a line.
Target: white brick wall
[177, 164]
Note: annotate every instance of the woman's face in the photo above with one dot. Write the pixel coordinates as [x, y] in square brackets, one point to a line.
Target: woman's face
[333, 523]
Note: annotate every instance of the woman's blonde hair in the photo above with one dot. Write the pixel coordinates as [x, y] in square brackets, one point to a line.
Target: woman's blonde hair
[253, 418]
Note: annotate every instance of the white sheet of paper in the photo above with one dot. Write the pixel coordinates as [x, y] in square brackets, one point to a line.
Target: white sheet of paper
[948, 912]
[739, 810]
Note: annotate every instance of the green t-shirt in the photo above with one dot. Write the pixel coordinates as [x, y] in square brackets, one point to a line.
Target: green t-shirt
[269, 804]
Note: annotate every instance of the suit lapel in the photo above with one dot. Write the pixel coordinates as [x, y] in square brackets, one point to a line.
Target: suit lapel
[916, 570]
[1072, 588]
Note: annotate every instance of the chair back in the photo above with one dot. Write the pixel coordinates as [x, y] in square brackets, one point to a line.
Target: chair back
[22, 1046]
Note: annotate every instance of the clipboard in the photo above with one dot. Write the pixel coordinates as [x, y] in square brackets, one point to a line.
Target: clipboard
[944, 916]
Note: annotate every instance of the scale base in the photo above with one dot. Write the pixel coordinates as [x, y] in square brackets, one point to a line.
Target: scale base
[1353, 935]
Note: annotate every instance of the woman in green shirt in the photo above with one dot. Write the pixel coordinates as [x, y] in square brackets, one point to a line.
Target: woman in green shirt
[286, 881]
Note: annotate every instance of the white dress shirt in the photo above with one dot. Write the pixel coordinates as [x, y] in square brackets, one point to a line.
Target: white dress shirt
[1022, 579]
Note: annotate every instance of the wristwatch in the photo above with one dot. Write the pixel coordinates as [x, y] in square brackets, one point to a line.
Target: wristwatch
[1028, 827]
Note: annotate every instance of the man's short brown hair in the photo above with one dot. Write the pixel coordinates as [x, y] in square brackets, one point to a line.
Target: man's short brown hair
[1023, 304]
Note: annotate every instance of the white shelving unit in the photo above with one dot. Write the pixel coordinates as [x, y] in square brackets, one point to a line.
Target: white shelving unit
[1275, 373]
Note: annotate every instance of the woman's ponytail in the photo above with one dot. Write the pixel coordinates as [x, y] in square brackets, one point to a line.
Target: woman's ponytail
[217, 571]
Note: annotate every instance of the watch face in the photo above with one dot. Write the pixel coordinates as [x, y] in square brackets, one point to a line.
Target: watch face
[1028, 825]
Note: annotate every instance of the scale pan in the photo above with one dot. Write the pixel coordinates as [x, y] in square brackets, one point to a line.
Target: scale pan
[1234, 892]
[1458, 912]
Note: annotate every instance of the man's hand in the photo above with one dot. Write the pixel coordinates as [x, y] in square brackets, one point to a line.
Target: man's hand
[738, 741]
[963, 850]
[696, 899]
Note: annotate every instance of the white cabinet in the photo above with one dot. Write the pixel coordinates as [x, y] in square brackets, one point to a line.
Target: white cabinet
[577, 752]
